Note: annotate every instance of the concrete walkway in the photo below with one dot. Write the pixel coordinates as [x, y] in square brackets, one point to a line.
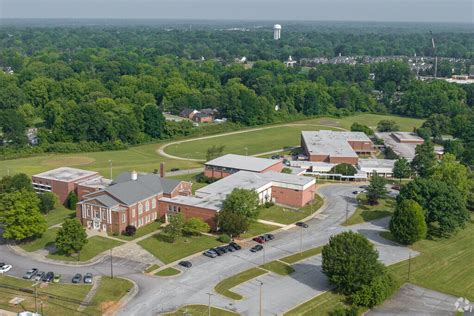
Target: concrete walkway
[90, 295]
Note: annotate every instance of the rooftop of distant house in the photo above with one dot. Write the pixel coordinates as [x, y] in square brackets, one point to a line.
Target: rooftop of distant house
[332, 143]
[240, 162]
[66, 174]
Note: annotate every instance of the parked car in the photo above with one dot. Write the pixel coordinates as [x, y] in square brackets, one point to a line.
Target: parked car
[210, 254]
[39, 275]
[236, 246]
[88, 278]
[259, 239]
[5, 268]
[57, 278]
[302, 224]
[48, 277]
[256, 248]
[355, 192]
[223, 249]
[218, 251]
[77, 278]
[30, 274]
[185, 264]
[2, 264]
[174, 169]
[229, 248]
[268, 237]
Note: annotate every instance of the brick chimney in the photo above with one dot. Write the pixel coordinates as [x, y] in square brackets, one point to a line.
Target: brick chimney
[162, 169]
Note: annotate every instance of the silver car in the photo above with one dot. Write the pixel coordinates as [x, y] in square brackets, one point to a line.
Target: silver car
[39, 275]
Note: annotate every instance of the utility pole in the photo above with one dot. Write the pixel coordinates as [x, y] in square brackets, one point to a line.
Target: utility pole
[209, 304]
[347, 211]
[301, 240]
[263, 254]
[110, 166]
[409, 266]
[246, 151]
[111, 265]
[261, 286]
[435, 55]
[36, 299]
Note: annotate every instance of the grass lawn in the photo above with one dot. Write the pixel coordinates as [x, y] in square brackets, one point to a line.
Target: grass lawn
[94, 246]
[445, 265]
[201, 310]
[142, 231]
[191, 177]
[46, 239]
[225, 285]
[58, 215]
[366, 212]
[183, 247]
[278, 267]
[153, 267]
[320, 305]
[51, 306]
[287, 136]
[168, 272]
[302, 255]
[283, 215]
[256, 228]
[143, 158]
[107, 296]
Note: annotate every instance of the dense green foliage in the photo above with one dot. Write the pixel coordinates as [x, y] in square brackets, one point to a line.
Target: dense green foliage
[350, 261]
[48, 201]
[71, 237]
[71, 201]
[232, 223]
[425, 159]
[243, 202]
[443, 204]
[195, 226]
[344, 168]
[20, 217]
[374, 293]
[408, 224]
[387, 126]
[376, 189]
[401, 169]
[175, 227]
[101, 88]
[356, 127]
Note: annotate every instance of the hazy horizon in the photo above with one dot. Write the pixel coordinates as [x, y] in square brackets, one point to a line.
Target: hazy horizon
[431, 11]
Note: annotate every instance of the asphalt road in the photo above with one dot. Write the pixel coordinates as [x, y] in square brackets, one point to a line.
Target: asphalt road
[158, 295]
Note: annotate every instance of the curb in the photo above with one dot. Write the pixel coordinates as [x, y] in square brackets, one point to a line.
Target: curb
[125, 299]
[97, 259]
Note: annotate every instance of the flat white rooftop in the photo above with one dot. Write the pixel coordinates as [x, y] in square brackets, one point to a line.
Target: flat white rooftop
[240, 162]
[407, 136]
[379, 165]
[66, 174]
[332, 143]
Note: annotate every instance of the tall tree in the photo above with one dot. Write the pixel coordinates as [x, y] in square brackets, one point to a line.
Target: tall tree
[175, 226]
[71, 237]
[231, 223]
[154, 121]
[48, 201]
[20, 217]
[401, 169]
[242, 201]
[350, 261]
[408, 224]
[376, 189]
[425, 159]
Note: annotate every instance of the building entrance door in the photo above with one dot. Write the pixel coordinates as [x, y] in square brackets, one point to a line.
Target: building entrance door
[96, 224]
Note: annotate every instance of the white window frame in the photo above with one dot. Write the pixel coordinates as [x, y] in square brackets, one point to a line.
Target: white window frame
[140, 209]
[153, 203]
[124, 217]
[147, 206]
[133, 212]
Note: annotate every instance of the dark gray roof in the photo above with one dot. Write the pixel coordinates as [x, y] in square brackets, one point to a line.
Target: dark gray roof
[106, 200]
[131, 191]
[186, 112]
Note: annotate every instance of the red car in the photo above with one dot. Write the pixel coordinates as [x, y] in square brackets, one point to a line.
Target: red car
[259, 239]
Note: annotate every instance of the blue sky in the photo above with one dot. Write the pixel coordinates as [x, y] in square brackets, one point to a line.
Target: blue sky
[339, 10]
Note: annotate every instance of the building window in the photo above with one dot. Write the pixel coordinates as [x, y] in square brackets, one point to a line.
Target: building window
[147, 206]
[133, 212]
[124, 218]
[170, 208]
[104, 214]
[153, 203]
[140, 209]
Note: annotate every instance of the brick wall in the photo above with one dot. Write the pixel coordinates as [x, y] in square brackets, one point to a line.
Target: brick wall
[278, 166]
[291, 197]
[190, 211]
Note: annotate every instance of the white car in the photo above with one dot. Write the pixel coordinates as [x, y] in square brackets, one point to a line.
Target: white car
[5, 268]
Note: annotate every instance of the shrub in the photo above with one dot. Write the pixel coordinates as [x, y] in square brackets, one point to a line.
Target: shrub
[224, 238]
[345, 169]
[286, 170]
[352, 311]
[387, 126]
[374, 293]
[71, 201]
[130, 230]
[195, 226]
[408, 222]
[356, 127]
[48, 202]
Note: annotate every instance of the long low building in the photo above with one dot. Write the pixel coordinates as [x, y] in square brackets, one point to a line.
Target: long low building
[334, 146]
[139, 199]
[382, 167]
[402, 143]
[229, 164]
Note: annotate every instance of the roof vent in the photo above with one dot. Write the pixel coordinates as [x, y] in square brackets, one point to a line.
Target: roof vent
[134, 175]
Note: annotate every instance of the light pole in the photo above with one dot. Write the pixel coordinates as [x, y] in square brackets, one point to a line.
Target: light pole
[209, 304]
[246, 151]
[263, 254]
[301, 240]
[110, 166]
[261, 286]
[111, 265]
[409, 266]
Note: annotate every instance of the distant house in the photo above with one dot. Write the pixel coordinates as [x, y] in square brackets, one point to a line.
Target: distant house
[209, 111]
[188, 113]
[32, 135]
[203, 118]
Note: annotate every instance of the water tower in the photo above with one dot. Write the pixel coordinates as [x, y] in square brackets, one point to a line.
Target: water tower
[276, 31]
